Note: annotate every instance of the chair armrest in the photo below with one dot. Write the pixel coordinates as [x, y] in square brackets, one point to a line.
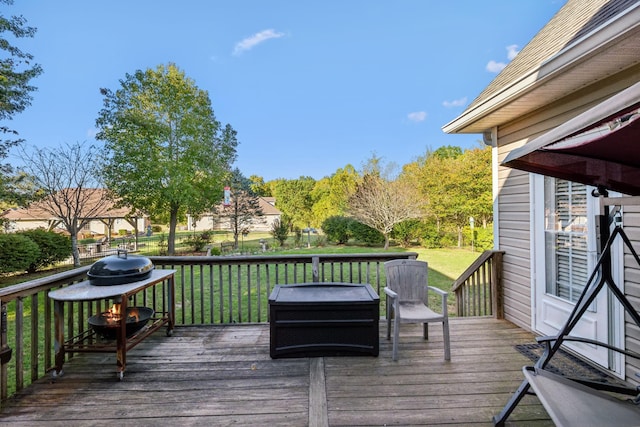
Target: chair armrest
[444, 295]
[438, 291]
[390, 293]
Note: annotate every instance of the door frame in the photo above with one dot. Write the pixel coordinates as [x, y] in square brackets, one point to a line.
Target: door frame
[604, 320]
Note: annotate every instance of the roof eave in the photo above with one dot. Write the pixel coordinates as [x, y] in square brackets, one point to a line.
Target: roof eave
[479, 118]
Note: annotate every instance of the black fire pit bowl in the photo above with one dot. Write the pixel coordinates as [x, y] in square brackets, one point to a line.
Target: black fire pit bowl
[107, 328]
[119, 269]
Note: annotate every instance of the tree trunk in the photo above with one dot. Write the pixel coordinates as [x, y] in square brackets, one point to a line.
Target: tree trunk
[74, 248]
[386, 242]
[173, 223]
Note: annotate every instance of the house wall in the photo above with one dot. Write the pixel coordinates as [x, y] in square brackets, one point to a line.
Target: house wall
[515, 216]
[15, 226]
[631, 222]
[94, 226]
[208, 223]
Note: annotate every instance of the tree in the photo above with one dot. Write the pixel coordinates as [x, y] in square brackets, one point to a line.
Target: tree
[293, 198]
[244, 209]
[16, 73]
[259, 187]
[69, 189]
[165, 152]
[455, 186]
[331, 194]
[381, 204]
[280, 229]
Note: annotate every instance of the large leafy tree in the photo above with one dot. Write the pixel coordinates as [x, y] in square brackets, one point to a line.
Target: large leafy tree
[454, 185]
[16, 72]
[244, 209]
[165, 152]
[331, 194]
[259, 187]
[293, 198]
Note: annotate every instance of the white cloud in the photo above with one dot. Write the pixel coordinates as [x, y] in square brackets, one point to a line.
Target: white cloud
[495, 67]
[512, 51]
[455, 103]
[417, 116]
[254, 40]
[91, 133]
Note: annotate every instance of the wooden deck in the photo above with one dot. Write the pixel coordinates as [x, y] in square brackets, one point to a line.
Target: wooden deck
[223, 375]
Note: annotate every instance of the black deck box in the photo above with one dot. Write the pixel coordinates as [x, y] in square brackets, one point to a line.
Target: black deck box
[324, 319]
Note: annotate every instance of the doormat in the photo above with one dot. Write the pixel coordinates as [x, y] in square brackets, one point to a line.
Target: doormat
[565, 364]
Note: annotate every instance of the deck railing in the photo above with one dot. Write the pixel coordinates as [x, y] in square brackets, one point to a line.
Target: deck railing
[208, 290]
[479, 289]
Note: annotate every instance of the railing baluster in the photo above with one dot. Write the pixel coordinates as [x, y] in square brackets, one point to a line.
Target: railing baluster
[211, 295]
[19, 344]
[259, 291]
[35, 341]
[249, 299]
[221, 293]
[4, 345]
[48, 328]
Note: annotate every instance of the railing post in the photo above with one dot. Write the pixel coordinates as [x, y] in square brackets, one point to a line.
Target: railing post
[496, 286]
[315, 272]
[5, 352]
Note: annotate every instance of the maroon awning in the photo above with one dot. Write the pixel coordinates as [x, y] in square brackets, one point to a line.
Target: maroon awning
[600, 147]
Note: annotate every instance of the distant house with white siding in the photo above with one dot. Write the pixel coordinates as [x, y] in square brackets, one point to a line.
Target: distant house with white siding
[587, 53]
[107, 221]
[208, 221]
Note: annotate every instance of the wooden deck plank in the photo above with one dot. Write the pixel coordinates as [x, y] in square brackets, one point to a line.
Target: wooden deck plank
[222, 375]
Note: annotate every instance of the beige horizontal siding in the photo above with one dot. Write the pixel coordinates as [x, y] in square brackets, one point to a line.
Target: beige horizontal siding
[514, 235]
[632, 289]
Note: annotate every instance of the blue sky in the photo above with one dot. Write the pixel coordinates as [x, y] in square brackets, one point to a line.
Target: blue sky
[310, 86]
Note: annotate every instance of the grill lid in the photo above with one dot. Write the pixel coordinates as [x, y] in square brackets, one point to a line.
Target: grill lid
[119, 269]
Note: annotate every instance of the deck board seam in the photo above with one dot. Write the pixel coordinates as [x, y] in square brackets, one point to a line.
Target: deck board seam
[318, 412]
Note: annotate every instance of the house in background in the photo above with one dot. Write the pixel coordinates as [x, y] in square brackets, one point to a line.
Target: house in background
[207, 221]
[107, 221]
[588, 53]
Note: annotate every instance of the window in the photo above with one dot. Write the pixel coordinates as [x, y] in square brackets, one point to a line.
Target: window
[566, 230]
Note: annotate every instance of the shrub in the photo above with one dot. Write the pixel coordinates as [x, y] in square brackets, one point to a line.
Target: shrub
[337, 229]
[430, 236]
[407, 231]
[280, 231]
[198, 241]
[483, 238]
[54, 247]
[162, 244]
[297, 237]
[17, 253]
[365, 234]
[156, 228]
[321, 241]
